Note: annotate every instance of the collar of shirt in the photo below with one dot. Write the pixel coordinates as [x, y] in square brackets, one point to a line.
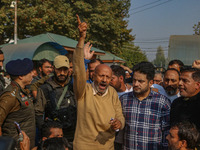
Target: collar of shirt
[96, 92]
[126, 91]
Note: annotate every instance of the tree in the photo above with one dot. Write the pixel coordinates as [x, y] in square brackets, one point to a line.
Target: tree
[106, 18]
[36, 17]
[132, 54]
[160, 58]
[196, 28]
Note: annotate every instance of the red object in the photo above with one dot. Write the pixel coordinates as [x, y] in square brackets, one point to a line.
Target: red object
[26, 103]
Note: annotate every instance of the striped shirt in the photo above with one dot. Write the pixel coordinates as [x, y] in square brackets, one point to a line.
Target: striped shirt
[147, 121]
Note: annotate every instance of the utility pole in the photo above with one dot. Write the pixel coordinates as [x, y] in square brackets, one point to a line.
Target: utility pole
[14, 5]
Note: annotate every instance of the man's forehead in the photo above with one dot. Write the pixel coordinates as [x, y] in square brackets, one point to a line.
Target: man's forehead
[174, 130]
[53, 129]
[186, 75]
[113, 75]
[175, 66]
[93, 65]
[104, 71]
[47, 64]
[139, 74]
[173, 74]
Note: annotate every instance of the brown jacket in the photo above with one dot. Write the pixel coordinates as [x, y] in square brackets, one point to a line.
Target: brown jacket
[16, 105]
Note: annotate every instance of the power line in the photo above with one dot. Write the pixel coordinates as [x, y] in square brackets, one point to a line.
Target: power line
[153, 51]
[154, 48]
[150, 7]
[153, 39]
[152, 42]
[144, 5]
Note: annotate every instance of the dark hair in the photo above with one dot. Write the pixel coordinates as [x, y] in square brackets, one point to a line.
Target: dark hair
[187, 131]
[46, 127]
[195, 72]
[173, 69]
[13, 78]
[196, 76]
[118, 71]
[56, 143]
[42, 61]
[1, 52]
[95, 60]
[176, 61]
[146, 68]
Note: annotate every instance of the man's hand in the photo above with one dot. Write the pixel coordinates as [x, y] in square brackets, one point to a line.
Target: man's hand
[126, 68]
[82, 26]
[25, 144]
[115, 124]
[87, 53]
[196, 64]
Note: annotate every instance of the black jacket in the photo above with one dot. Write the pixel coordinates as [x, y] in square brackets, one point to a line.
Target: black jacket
[183, 109]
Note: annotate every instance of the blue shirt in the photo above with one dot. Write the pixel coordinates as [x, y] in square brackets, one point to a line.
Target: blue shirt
[147, 122]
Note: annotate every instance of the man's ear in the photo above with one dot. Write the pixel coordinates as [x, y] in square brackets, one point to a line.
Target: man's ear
[40, 69]
[198, 85]
[121, 79]
[150, 83]
[183, 143]
[53, 68]
[20, 77]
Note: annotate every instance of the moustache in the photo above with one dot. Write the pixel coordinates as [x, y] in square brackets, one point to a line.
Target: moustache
[171, 90]
[103, 83]
[61, 75]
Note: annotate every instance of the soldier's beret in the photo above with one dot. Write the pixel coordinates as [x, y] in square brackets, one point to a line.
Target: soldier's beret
[19, 67]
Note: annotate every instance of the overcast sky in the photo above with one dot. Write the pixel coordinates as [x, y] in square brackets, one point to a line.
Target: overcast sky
[153, 21]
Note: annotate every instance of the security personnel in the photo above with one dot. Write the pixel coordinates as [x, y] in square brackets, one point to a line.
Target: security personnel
[56, 100]
[16, 103]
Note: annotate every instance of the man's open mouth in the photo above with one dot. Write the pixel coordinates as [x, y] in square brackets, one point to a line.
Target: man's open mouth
[103, 86]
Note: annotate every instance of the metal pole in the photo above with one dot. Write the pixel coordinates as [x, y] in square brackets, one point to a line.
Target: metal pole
[15, 27]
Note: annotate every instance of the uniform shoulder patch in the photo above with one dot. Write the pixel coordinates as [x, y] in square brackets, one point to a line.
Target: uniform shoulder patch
[13, 93]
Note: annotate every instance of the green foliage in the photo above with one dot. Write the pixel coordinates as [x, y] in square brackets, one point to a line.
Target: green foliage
[132, 54]
[160, 58]
[106, 18]
[196, 28]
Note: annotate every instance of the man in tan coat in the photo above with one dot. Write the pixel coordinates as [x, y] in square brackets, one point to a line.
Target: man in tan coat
[97, 103]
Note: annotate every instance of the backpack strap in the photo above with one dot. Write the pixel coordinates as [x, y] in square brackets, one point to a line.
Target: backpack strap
[61, 97]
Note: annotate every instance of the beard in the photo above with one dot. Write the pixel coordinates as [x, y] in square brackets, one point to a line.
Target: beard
[43, 74]
[61, 78]
[117, 86]
[171, 90]
[139, 91]
[99, 87]
[172, 147]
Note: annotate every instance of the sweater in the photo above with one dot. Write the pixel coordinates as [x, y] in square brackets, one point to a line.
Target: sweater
[94, 112]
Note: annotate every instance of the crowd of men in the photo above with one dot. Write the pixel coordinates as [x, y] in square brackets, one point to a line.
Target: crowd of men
[94, 106]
